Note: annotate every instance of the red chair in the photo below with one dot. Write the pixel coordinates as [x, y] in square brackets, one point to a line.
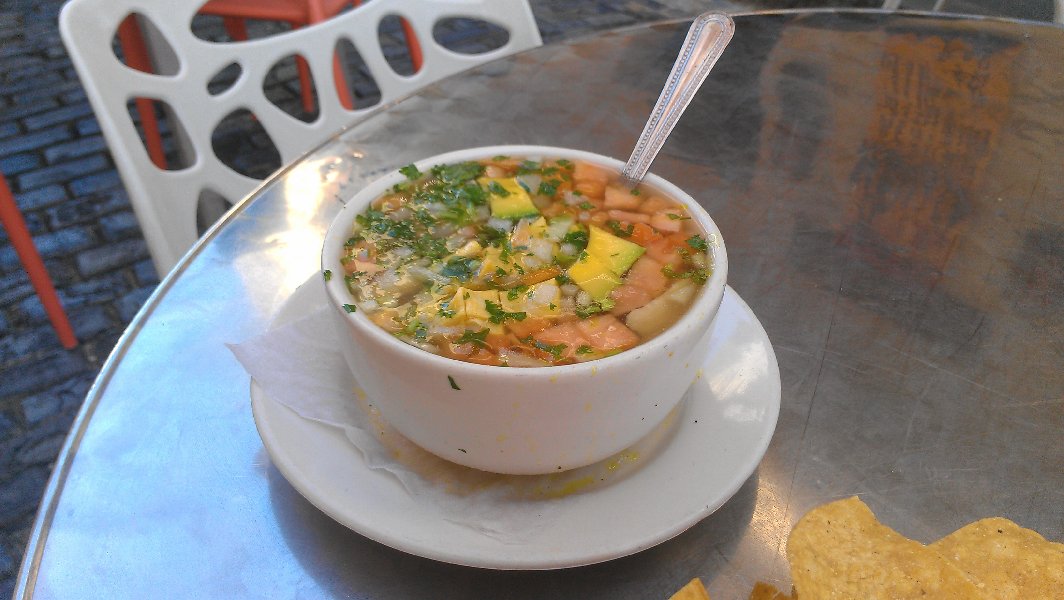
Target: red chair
[234, 13]
[16, 229]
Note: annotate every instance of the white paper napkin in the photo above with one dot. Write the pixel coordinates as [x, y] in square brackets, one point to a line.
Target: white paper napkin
[298, 365]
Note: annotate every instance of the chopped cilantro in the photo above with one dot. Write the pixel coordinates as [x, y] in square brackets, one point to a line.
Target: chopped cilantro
[676, 217]
[410, 172]
[477, 338]
[697, 242]
[496, 188]
[697, 275]
[556, 350]
[459, 267]
[563, 279]
[500, 157]
[350, 308]
[498, 315]
[594, 308]
[327, 274]
[548, 188]
[576, 238]
[454, 386]
[445, 310]
[516, 292]
[585, 349]
[563, 163]
[457, 173]
[586, 205]
[620, 231]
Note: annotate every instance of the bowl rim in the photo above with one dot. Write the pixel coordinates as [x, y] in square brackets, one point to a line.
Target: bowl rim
[338, 232]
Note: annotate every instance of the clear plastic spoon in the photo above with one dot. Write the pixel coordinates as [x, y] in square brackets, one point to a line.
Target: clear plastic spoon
[706, 40]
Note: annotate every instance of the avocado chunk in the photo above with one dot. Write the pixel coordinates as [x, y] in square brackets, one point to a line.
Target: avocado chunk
[618, 254]
[594, 276]
[507, 198]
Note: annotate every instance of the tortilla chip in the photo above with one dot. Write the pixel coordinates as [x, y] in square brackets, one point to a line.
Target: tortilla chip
[840, 550]
[764, 591]
[1006, 560]
[694, 590]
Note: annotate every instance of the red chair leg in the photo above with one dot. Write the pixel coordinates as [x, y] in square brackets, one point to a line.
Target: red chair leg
[31, 261]
[131, 41]
[236, 27]
[306, 83]
[412, 45]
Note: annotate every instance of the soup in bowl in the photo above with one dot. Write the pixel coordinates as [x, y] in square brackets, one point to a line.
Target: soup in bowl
[521, 309]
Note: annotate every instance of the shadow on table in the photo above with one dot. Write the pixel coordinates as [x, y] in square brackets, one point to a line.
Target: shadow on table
[345, 564]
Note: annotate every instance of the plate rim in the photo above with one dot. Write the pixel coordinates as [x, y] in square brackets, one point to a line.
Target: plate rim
[526, 560]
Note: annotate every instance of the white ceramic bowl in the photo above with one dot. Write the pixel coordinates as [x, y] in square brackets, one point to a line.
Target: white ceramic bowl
[523, 420]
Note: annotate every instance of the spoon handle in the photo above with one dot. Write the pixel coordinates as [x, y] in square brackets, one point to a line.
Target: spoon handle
[706, 40]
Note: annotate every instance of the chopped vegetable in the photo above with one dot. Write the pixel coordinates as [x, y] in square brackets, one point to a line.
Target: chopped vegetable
[522, 262]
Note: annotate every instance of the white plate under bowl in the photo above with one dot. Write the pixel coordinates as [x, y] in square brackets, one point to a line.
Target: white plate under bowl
[722, 432]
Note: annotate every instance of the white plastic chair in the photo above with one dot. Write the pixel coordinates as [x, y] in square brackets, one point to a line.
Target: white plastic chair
[165, 202]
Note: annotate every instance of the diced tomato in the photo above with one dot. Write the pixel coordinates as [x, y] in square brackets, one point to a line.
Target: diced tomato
[664, 251]
[654, 204]
[590, 189]
[583, 171]
[627, 298]
[563, 333]
[644, 234]
[646, 274]
[627, 217]
[606, 333]
[663, 222]
[621, 198]
[599, 218]
[531, 325]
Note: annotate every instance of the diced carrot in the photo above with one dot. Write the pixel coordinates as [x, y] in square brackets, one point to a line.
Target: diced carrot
[583, 171]
[664, 251]
[627, 298]
[663, 222]
[619, 197]
[644, 234]
[590, 189]
[563, 333]
[605, 332]
[628, 217]
[531, 325]
[653, 204]
[646, 274]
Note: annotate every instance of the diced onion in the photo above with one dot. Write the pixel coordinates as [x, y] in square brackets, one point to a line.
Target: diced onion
[500, 224]
[519, 359]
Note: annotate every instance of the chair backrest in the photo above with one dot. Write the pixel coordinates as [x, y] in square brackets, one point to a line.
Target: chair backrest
[165, 201]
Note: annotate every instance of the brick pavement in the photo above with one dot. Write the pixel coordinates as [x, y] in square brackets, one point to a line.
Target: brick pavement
[65, 184]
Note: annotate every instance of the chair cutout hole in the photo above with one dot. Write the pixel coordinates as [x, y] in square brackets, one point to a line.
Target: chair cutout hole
[161, 133]
[242, 144]
[139, 45]
[224, 79]
[210, 206]
[222, 26]
[289, 85]
[469, 36]
[354, 82]
[400, 45]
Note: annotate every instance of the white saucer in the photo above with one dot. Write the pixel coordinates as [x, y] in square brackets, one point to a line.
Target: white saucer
[722, 432]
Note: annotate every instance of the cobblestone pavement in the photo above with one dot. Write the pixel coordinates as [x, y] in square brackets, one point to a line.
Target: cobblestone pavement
[56, 161]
